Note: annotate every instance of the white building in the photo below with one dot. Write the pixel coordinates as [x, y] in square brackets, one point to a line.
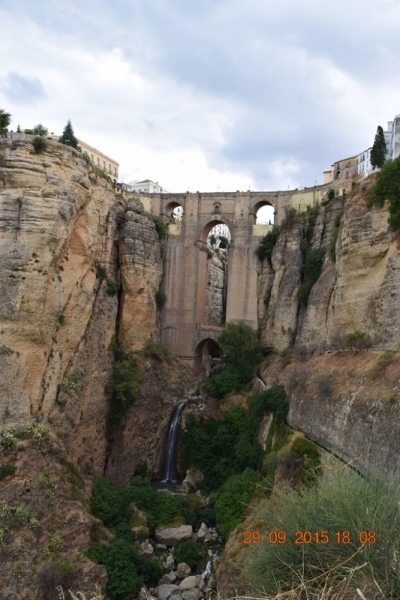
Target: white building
[392, 139]
[147, 187]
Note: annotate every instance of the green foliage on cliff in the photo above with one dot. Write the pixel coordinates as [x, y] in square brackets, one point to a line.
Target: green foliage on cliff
[39, 144]
[387, 187]
[187, 551]
[161, 299]
[68, 138]
[161, 227]
[341, 500]
[334, 236]
[233, 500]
[124, 383]
[112, 287]
[312, 271]
[5, 120]
[267, 245]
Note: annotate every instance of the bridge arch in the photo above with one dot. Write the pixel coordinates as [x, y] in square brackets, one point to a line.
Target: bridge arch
[206, 352]
[203, 257]
[255, 216]
[172, 208]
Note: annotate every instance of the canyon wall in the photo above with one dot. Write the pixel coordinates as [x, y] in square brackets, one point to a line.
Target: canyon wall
[216, 284]
[67, 243]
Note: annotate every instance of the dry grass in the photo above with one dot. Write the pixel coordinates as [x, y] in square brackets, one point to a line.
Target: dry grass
[78, 595]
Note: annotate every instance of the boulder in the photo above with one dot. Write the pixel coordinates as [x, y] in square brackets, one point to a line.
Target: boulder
[203, 534]
[169, 563]
[173, 535]
[165, 591]
[167, 579]
[188, 583]
[146, 549]
[161, 547]
[183, 570]
[193, 594]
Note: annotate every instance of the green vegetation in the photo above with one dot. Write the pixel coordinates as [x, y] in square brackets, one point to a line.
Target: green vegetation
[7, 471]
[233, 500]
[383, 361]
[341, 501]
[62, 319]
[86, 157]
[223, 242]
[334, 237]
[241, 353]
[40, 130]
[157, 350]
[161, 299]
[387, 187]
[124, 383]
[112, 287]
[312, 270]
[358, 340]
[101, 173]
[267, 245]
[378, 150]
[189, 552]
[5, 120]
[68, 384]
[101, 272]
[226, 447]
[310, 454]
[39, 144]
[161, 227]
[68, 138]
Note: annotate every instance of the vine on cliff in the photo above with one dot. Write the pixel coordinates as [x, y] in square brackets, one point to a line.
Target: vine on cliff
[387, 187]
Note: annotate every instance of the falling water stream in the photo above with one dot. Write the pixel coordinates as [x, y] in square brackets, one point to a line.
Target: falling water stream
[169, 474]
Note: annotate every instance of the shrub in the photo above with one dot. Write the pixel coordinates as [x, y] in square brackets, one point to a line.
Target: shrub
[161, 227]
[189, 552]
[312, 271]
[123, 386]
[39, 144]
[310, 454]
[387, 187]
[234, 498]
[62, 319]
[334, 237]
[241, 348]
[380, 366]
[267, 245]
[101, 272]
[40, 130]
[223, 383]
[157, 350]
[68, 384]
[161, 299]
[358, 340]
[331, 194]
[341, 501]
[7, 470]
[86, 157]
[112, 287]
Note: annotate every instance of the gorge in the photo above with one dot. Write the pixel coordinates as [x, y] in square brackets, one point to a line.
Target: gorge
[81, 267]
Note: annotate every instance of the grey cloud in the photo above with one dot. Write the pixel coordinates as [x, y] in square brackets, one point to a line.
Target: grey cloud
[22, 90]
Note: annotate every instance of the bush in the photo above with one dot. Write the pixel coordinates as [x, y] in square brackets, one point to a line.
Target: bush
[161, 299]
[387, 187]
[234, 498]
[39, 144]
[158, 350]
[40, 130]
[7, 470]
[101, 272]
[358, 340]
[122, 387]
[161, 227]
[267, 245]
[334, 237]
[383, 361]
[312, 271]
[189, 552]
[342, 501]
[112, 287]
[223, 383]
[241, 348]
[62, 319]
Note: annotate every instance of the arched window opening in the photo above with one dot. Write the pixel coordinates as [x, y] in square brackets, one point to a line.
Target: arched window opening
[264, 213]
[217, 209]
[174, 211]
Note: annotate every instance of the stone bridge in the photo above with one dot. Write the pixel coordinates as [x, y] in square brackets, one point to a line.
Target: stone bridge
[184, 330]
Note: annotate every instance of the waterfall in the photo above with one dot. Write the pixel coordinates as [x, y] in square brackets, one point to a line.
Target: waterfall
[169, 471]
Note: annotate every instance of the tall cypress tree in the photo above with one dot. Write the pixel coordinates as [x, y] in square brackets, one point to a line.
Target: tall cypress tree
[378, 149]
[68, 137]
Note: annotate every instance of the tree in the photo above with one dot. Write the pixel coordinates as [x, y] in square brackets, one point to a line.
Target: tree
[40, 130]
[378, 149]
[241, 348]
[68, 137]
[5, 120]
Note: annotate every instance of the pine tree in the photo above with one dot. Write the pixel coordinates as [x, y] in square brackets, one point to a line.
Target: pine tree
[378, 149]
[68, 137]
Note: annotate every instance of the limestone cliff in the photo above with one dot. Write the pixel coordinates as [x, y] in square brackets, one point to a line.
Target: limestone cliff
[66, 240]
[357, 292]
[215, 301]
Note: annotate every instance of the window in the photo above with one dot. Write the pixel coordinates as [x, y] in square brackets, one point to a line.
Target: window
[115, 170]
[98, 162]
[92, 158]
[109, 168]
[217, 210]
[104, 165]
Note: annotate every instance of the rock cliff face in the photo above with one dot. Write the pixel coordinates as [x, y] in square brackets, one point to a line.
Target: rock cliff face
[215, 302]
[357, 292]
[60, 221]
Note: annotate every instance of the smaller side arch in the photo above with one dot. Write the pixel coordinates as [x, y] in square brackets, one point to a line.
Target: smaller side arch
[170, 208]
[254, 213]
[206, 353]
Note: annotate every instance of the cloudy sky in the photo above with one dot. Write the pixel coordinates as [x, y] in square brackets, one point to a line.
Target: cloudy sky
[207, 95]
